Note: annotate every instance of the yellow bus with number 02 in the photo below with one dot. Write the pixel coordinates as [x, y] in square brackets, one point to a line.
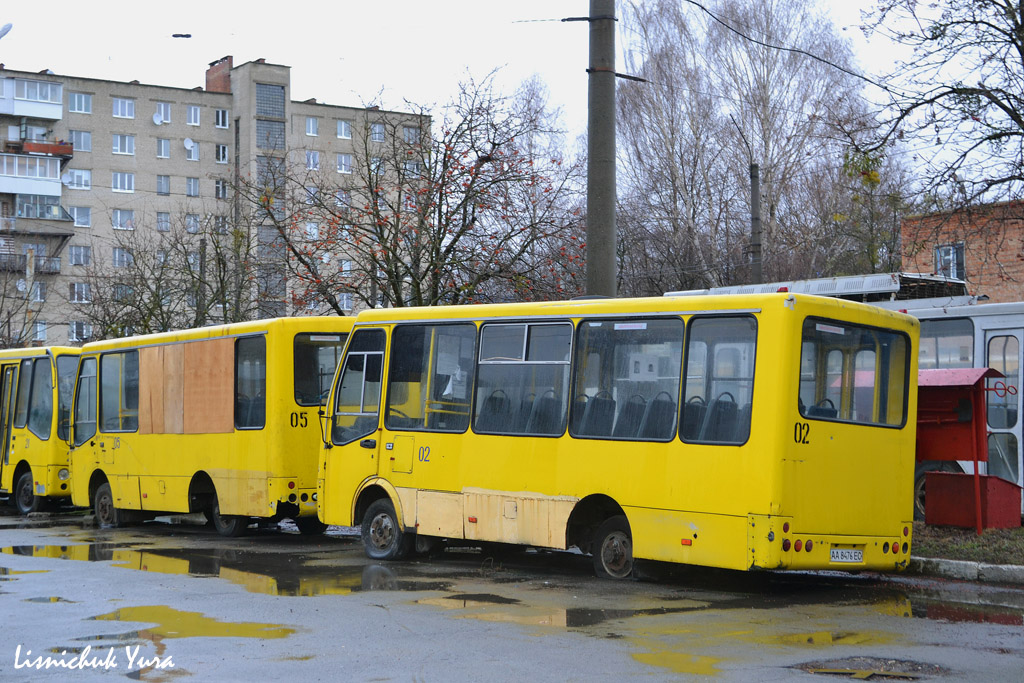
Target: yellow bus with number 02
[743, 432]
[35, 404]
[221, 420]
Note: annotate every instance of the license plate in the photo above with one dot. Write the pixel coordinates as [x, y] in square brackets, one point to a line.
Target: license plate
[847, 555]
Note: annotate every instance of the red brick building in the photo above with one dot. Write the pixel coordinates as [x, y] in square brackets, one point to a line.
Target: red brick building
[983, 245]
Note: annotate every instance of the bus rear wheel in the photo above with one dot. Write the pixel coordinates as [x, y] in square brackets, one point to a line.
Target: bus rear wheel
[309, 526]
[24, 498]
[613, 549]
[103, 507]
[230, 526]
[383, 538]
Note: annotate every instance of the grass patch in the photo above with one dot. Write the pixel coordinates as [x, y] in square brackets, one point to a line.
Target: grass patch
[994, 546]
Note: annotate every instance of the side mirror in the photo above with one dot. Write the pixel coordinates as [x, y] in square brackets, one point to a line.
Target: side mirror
[324, 426]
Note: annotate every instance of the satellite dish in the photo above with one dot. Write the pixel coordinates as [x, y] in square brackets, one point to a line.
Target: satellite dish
[66, 178]
[189, 144]
[4, 29]
[157, 119]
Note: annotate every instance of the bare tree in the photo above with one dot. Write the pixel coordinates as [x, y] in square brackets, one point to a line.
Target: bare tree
[451, 214]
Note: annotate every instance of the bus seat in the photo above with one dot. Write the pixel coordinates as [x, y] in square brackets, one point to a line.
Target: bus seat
[494, 413]
[627, 424]
[599, 416]
[659, 418]
[579, 409]
[694, 411]
[546, 415]
[720, 421]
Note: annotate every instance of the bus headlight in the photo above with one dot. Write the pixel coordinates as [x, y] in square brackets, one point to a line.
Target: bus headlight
[63, 474]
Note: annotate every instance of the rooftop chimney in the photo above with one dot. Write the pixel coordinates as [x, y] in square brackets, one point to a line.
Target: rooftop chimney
[218, 75]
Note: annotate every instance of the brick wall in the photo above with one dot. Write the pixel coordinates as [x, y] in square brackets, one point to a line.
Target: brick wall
[993, 246]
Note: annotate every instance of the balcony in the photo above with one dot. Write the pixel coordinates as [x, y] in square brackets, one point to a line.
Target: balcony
[16, 263]
[30, 174]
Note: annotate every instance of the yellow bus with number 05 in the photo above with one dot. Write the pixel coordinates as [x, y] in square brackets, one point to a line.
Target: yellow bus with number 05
[746, 432]
[221, 420]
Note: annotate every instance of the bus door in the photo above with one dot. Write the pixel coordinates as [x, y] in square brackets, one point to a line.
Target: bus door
[7, 382]
[355, 431]
[1003, 353]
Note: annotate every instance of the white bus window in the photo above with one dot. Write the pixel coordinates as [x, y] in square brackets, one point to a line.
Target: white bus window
[357, 396]
[316, 359]
[1003, 354]
[119, 391]
[946, 343]
[250, 382]
[85, 402]
[66, 367]
[40, 414]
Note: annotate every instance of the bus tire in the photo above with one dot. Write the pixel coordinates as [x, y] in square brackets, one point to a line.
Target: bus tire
[25, 500]
[107, 515]
[309, 526]
[229, 526]
[383, 538]
[613, 549]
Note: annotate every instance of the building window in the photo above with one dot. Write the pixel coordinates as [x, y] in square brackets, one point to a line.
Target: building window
[220, 118]
[81, 140]
[409, 202]
[124, 144]
[122, 182]
[38, 91]
[123, 219]
[191, 187]
[344, 163]
[345, 301]
[163, 148]
[79, 331]
[376, 164]
[949, 261]
[192, 222]
[163, 184]
[222, 154]
[269, 134]
[80, 293]
[270, 100]
[80, 103]
[163, 111]
[39, 331]
[79, 180]
[82, 216]
[220, 225]
[411, 134]
[345, 129]
[192, 152]
[414, 168]
[192, 115]
[79, 255]
[163, 221]
[124, 108]
[312, 194]
[38, 292]
[220, 188]
[377, 132]
[343, 198]
[312, 160]
[312, 125]
[122, 258]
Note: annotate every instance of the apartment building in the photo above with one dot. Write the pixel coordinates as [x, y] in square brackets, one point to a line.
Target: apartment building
[86, 161]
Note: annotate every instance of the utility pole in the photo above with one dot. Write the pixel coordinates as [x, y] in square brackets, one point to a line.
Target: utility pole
[756, 277]
[601, 234]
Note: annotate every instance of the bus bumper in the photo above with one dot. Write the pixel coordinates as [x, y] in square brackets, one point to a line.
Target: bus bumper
[775, 543]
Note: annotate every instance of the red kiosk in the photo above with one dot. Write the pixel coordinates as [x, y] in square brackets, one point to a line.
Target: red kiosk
[951, 425]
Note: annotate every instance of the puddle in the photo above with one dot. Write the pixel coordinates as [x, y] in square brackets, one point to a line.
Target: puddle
[281, 575]
[964, 613]
[49, 600]
[172, 623]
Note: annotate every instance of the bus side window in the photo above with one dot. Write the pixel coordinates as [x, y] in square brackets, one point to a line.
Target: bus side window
[357, 395]
[24, 387]
[85, 402]
[40, 412]
[119, 391]
[66, 367]
[251, 382]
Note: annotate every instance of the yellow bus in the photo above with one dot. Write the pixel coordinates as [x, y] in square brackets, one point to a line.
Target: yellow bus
[221, 420]
[744, 432]
[35, 404]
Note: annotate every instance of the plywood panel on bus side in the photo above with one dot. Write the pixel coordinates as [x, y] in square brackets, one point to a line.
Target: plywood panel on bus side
[151, 390]
[174, 389]
[209, 386]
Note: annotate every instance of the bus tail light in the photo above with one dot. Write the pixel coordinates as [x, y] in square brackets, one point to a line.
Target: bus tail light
[785, 545]
[291, 484]
[685, 541]
[808, 546]
[798, 546]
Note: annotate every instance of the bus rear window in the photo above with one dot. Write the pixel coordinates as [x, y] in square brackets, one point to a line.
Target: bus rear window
[852, 373]
[316, 359]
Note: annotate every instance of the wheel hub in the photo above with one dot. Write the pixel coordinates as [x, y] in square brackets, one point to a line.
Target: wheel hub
[382, 532]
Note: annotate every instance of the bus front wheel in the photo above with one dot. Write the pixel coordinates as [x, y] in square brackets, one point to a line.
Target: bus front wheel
[613, 549]
[24, 499]
[383, 538]
[227, 525]
[103, 507]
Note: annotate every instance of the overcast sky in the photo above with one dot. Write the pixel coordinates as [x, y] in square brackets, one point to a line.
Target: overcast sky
[343, 52]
